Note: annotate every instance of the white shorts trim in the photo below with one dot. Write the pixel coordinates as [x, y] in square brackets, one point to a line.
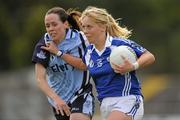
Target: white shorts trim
[131, 105]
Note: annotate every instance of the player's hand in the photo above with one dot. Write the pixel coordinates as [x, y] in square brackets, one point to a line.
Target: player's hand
[124, 68]
[61, 107]
[51, 47]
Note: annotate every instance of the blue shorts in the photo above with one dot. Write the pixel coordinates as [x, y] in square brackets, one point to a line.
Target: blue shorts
[83, 102]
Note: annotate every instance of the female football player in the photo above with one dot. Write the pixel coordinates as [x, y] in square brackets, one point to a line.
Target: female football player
[68, 89]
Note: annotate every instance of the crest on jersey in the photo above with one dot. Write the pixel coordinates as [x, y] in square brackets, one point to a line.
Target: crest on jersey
[91, 63]
[41, 55]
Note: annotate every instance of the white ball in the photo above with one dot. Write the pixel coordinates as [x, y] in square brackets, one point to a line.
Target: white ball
[125, 51]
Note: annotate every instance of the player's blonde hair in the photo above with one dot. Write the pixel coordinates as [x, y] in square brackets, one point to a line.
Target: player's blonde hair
[101, 16]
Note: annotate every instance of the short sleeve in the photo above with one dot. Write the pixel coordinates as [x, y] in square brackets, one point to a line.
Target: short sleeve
[137, 48]
[39, 55]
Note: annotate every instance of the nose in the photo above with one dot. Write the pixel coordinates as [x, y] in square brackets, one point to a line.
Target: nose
[51, 28]
[85, 30]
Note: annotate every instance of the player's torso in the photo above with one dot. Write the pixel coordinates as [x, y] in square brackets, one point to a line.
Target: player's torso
[108, 83]
[62, 77]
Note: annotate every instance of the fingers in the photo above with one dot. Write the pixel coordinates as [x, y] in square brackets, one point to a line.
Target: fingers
[51, 47]
[119, 68]
[63, 110]
[123, 68]
[59, 111]
[44, 47]
[123, 57]
[47, 45]
[66, 109]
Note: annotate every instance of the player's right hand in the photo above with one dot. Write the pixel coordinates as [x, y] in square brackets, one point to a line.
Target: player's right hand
[62, 108]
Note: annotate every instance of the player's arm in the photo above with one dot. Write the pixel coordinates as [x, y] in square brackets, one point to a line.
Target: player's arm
[40, 74]
[145, 59]
[74, 61]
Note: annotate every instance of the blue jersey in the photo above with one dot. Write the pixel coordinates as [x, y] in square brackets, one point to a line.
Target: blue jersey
[63, 78]
[108, 83]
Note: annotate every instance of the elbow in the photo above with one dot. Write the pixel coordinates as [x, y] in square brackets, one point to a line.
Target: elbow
[39, 82]
[153, 58]
[82, 67]
[148, 58]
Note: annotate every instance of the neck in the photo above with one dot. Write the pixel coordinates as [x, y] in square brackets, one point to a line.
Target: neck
[58, 41]
[100, 44]
[61, 38]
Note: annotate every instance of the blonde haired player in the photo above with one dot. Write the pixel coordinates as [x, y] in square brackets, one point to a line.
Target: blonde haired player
[119, 92]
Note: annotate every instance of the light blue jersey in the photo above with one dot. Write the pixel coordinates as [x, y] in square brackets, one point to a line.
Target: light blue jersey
[63, 78]
[108, 83]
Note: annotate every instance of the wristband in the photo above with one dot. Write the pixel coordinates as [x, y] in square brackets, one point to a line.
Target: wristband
[136, 65]
[59, 53]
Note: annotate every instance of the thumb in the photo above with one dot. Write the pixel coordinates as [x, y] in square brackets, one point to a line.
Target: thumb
[124, 58]
[44, 47]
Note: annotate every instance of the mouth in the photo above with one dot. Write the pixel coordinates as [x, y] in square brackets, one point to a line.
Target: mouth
[52, 35]
[88, 36]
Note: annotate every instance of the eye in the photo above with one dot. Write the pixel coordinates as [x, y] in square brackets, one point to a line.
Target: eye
[54, 24]
[89, 26]
[47, 25]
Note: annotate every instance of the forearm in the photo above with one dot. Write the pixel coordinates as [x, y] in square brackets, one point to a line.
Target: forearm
[46, 89]
[145, 59]
[42, 82]
[74, 61]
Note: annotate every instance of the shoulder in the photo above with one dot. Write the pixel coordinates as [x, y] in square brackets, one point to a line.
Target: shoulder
[72, 33]
[121, 41]
[90, 47]
[40, 42]
[39, 55]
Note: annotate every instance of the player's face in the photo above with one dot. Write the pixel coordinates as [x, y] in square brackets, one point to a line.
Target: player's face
[55, 27]
[92, 30]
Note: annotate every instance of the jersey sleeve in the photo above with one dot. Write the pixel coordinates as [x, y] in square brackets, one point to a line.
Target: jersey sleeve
[83, 37]
[39, 55]
[139, 50]
[83, 58]
[87, 55]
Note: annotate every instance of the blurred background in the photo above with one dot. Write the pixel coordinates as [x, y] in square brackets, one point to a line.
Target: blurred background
[155, 25]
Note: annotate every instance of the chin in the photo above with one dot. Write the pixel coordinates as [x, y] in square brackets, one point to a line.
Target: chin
[55, 38]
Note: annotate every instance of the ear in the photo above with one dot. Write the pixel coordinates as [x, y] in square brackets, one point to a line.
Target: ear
[103, 28]
[66, 24]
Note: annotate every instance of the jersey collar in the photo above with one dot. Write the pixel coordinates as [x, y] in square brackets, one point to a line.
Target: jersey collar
[107, 44]
[108, 41]
[70, 34]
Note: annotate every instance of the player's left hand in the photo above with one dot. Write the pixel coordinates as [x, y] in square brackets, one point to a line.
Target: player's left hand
[124, 68]
[51, 47]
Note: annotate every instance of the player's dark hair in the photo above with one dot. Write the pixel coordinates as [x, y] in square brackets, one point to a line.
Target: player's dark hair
[64, 16]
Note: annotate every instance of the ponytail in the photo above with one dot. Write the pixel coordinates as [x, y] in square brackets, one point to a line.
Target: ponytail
[73, 23]
[73, 19]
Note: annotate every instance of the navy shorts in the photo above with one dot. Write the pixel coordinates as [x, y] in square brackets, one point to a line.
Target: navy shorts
[83, 102]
